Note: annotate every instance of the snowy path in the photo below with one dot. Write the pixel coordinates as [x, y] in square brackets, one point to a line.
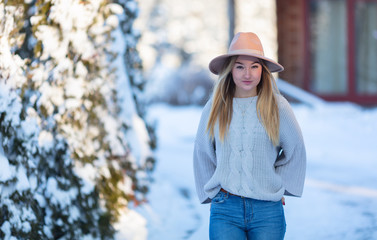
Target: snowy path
[340, 196]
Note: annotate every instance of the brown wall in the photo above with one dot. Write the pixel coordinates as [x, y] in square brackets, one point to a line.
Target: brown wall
[291, 40]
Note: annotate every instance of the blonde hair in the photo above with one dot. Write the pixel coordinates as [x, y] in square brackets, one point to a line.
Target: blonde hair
[222, 102]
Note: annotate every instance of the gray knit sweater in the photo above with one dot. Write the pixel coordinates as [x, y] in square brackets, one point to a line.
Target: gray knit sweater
[247, 163]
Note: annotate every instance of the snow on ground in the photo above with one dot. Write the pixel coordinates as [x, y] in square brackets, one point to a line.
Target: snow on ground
[340, 195]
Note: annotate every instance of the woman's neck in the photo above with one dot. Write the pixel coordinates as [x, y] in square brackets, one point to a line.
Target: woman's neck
[245, 94]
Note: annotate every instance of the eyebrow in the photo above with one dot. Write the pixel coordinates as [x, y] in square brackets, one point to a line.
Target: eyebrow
[251, 64]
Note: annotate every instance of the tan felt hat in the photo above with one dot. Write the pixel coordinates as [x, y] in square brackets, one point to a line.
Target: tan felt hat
[244, 43]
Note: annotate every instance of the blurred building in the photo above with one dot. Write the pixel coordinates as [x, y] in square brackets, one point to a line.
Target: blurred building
[329, 47]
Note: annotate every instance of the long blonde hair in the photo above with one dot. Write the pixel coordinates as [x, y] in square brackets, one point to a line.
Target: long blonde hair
[222, 102]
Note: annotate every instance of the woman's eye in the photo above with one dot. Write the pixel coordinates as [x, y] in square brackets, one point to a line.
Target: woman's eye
[255, 66]
[239, 67]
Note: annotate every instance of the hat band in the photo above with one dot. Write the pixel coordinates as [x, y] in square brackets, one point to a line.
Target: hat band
[246, 52]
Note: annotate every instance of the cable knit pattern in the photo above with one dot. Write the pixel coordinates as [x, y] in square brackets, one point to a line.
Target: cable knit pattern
[247, 163]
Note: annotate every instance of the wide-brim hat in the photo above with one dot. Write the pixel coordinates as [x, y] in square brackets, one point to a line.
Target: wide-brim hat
[244, 43]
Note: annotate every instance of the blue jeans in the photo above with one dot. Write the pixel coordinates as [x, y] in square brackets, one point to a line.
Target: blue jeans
[239, 218]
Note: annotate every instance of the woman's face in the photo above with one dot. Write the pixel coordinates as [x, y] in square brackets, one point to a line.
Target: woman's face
[246, 72]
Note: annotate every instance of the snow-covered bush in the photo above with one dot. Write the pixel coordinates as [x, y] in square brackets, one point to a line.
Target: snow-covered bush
[67, 164]
[185, 85]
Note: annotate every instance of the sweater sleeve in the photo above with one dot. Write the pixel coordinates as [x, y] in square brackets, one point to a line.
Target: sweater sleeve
[291, 166]
[204, 156]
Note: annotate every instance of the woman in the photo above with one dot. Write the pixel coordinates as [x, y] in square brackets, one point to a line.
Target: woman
[249, 150]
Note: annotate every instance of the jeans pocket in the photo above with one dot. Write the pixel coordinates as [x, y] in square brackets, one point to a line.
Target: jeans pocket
[219, 198]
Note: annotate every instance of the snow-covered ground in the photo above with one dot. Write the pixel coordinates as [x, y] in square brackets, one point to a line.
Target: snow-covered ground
[340, 196]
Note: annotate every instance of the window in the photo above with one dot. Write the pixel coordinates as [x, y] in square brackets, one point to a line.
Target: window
[328, 46]
[366, 47]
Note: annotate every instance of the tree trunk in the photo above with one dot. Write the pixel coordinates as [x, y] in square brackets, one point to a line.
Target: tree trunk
[232, 19]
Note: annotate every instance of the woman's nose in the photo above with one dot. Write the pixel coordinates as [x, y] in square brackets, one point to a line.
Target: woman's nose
[247, 73]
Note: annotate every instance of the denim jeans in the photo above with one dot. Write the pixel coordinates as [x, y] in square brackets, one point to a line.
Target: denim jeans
[238, 218]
